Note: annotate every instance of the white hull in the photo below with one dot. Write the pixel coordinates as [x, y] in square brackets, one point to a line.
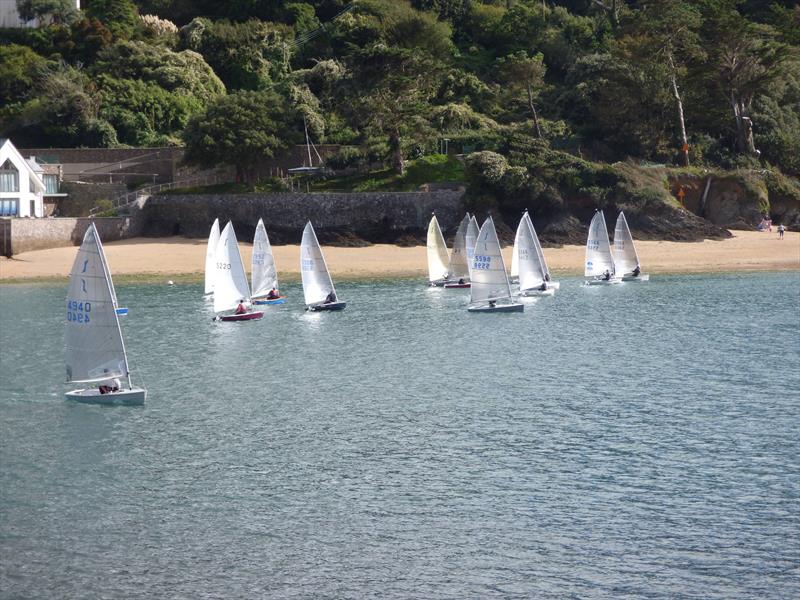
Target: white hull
[641, 277]
[611, 281]
[127, 397]
[536, 292]
[497, 308]
[556, 285]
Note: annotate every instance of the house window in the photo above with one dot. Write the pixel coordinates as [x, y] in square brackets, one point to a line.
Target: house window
[8, 207]
[50, 184]
[9, 177]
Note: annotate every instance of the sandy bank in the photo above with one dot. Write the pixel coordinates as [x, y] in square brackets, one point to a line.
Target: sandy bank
[154, 258]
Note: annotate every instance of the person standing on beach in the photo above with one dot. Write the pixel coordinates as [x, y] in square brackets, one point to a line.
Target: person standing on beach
[781, 229]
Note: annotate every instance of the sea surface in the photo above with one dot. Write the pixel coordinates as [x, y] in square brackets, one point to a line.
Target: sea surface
[633, 441]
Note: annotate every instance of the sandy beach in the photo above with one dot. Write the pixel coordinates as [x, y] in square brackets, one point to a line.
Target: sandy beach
[156, 258]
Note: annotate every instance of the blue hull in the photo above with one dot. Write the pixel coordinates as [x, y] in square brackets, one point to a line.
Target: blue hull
[275, 301]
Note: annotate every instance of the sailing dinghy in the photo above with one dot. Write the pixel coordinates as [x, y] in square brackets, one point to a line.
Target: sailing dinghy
[625, 257]
[531, 271]
[599, 259]
[317, 283]
[211, 249]
[438, 257]
[94, 350]
[471, 238]
[263, 271]
[230, 280]
[490, 290]
[459, 268]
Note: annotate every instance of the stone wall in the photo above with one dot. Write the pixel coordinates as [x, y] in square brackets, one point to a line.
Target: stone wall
[39, 234]
[83, 197]
[380, 217]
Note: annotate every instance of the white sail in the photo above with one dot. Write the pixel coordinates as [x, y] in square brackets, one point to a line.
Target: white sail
[598, 250]
[531, 273]
[471, 238]
[515, 249]
[539, 253]
[264, 274]
[230, 279]
[489, 278]
[94, 347]
[211, 249]
[625, 257]
[317, 283]
[438, 258]
[459, 268]
[107, 271]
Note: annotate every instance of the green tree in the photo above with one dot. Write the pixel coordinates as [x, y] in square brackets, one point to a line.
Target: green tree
[523, 72]
[47, 11]
[240, 130]
[120, 16]
[19, 69]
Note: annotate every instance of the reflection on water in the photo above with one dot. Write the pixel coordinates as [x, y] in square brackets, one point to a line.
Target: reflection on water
[632, 440]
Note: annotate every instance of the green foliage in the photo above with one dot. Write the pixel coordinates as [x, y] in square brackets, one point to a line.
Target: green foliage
[19, 69]
[119, 16]
[47, 11]
[240, 129]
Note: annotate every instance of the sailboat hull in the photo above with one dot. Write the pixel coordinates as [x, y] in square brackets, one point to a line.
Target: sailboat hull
[450, 286]
[251, 316]
[642, 277]
[537, 292]
[125, 397]
[280, 300]
[611, 281]
[556, 285]
[328, 306]
[498, 308]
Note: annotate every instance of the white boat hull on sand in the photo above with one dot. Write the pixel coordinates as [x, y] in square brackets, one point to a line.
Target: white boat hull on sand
[497, 308]
[611, 281]
[125, 397]
[536, 292]
[642, 277]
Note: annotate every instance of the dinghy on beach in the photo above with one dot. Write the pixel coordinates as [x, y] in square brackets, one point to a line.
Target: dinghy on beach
[599, 259]
[491, 291]
[317, 283]
[230, 280]
[263, 272]
[211, 250]
[438, 257]
[458, 270]
[626, 259]
[94, 350]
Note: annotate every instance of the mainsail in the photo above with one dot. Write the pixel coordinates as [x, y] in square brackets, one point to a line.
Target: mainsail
[625, 256]
[265, 276]
[230, 279]
[317, 283]
[459, 268]
[531, 272]
[598, 250]
[438, 258]
[470, 239]
[489, 279]
[94, 347]
[211, 249]
[539, 253]
[515, 249]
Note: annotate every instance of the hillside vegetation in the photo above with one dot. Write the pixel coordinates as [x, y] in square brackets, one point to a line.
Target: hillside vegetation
[545, 94]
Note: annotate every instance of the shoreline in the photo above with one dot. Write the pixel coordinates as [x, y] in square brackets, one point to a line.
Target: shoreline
[154, 260]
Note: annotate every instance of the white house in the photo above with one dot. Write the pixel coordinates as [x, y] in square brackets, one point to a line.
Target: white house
[21, 186]
[9, 15]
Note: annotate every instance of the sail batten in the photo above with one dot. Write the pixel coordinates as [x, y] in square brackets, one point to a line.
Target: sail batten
[317, 282]
[230, 279]
[489, 278]
[626, 258]
[599, 258]
[94, 349]
[264, 273]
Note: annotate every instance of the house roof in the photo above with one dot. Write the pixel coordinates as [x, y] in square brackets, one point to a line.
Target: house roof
[9, 151]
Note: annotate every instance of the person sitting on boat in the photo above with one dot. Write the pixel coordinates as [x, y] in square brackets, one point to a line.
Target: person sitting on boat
[547, 276]
[607, 275]
[636, 271]
[109, 386]
[461, 281]
[492, 303]
[330, 298]
[543, 287]
[273, 294]
[241, 309]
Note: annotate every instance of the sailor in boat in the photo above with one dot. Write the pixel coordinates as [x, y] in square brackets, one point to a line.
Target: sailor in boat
[330, 298]
[492, 303]
[607, 275]
[543, 287]
[241, 309]
[273, 294]
[636, 271]
[461, 281]
[109, 385]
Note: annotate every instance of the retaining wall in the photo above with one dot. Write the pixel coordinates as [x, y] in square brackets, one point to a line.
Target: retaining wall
[381, 217]
[39, 234]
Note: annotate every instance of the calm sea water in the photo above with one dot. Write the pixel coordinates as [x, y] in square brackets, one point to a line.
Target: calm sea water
[638, 441]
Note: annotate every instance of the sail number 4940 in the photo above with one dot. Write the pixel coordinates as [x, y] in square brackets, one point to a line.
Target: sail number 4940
[78, 312]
